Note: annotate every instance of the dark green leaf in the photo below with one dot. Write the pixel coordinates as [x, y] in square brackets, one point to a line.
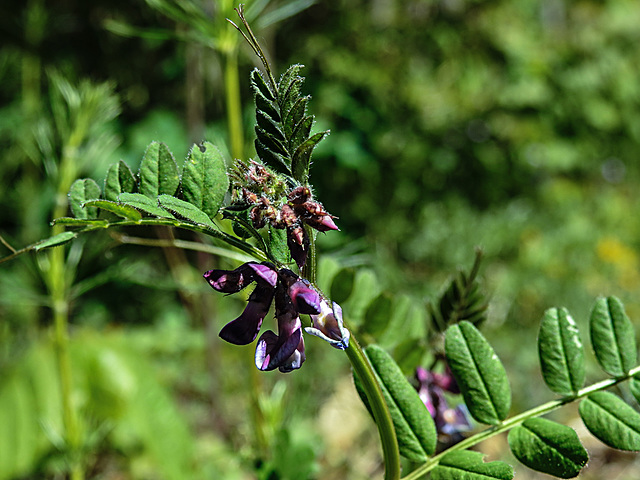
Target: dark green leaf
[55, 241]
[612, 337]
[267, 124]
[269, 157]
[409, 354]
[342, 285]
[144, 204]
[185, 210]
[293, 116]
[561, 352]
[119, 209]
[479, 373]
[271, 143]
[611, 420]
[269, 108]
[119, 179]
[284, 85]
[301, 159]
[300, 133]
[414, 426]
[259, 85]
[204, 178]
[468, 465]
[548, 447]
[377, 315]
[277, 243]
[82, 190]
[291, 96]
[158, 171]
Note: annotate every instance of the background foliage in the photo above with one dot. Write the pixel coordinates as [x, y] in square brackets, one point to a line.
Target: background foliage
[509, 125]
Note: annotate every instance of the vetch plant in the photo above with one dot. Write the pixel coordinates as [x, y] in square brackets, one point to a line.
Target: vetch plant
[263, 213]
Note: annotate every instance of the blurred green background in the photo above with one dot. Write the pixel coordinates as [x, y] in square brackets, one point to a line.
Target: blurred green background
[510, 125]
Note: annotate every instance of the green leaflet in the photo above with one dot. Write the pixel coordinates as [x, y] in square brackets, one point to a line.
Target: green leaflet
[612, 337]
[289, 88]
[55, 241]
[479, 373]
[634, 386]
[548, 447]
[302, 157]
[119, 179]
[377, 315]
[277, 242]
[468, 465]
[144, 204]
[204, 178]
[611, 420]
[561, 352]
[158, 171]
[82, 190]
[185, 210]
[122, 210]
[294, 116]
[414, 426]
[80, 222]
[260, 86]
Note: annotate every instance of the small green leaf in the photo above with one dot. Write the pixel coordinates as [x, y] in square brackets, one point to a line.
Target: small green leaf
[277, 243]
[301, 159]
[291, 96]
[271, 143]
[266, 123]
[143, 203]
[634, 386]
[267, 107]
[301, 133]
[612, 337]
[611, 420]
[269, 157]
[204, 178]
[119, 179]
[548, 447]
[259, 85]
[82, 190]
[284, 85]
[81, 222]
[185, 210]
[293, 116]
[55, 241]
[119, 209]
[479, 373]
[158, 171]
[561, 352]
[377, 315]
[468, 465]
[414, 425]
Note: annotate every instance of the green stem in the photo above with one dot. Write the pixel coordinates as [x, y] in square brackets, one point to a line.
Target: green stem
[516, 420]
[379, 409]
[234, 104]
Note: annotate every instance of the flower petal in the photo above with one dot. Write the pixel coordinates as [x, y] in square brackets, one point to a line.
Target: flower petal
[244, 329]
[305, 298]
[273, 351]
[231, 281]
[266, 272]
[328, 326]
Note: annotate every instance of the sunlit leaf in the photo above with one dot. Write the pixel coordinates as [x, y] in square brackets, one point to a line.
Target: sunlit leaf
[301, 159]
[119, 209]
[55, 241]
[611, 420]
[468, 465]
[479, 373]
[158, 171]
[119, 179]
[414, 425]
[548, 447]
[613, 337]
[185, 210]
[204, 178]
[144, 204]
[277, 242]
[561, 352]
[82, 190]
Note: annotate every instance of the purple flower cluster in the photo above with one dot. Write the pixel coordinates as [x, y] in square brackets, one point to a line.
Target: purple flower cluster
[450, 421]
[293, 296]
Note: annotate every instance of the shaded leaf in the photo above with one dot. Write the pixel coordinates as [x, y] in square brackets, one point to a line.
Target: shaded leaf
[277, 242]
[259, 85]
[301, 159]
[144, 204]
[82, 190]
[269, 157]
[288, 78]
[301, 133]
[204, 179]
[377, 315]
[158, 171]
[293, 116]
[270, 126]
[55, 241]
[561, 352]
[269, 108]
[479, 373]
[612, 337]
[185, 210]
[468, 465]
[414, 425]
[271, 143]
[119, 179]
[548, 447]
[611, 420]
[122, 210]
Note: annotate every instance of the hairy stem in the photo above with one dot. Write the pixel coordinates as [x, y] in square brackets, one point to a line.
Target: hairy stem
[381, 415]
[517, 420]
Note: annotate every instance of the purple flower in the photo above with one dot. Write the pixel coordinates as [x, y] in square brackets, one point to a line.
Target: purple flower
[327, 324]
[293, 296]
[450, 421]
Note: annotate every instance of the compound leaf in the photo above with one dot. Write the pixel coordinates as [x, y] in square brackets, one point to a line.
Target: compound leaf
[611, 420]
